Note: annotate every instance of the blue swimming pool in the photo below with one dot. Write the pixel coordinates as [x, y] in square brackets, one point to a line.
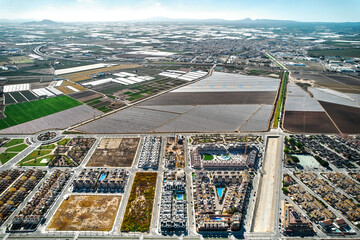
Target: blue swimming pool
[217, 218]
[102, 177]
[220, 191]
[180, 196]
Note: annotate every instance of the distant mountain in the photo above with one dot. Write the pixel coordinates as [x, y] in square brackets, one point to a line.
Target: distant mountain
[246, 21]
[43, 22]
[15, 20]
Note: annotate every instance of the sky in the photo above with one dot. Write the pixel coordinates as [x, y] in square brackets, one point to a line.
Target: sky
[123, 10]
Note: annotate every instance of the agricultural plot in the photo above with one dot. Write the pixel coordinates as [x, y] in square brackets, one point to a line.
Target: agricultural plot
[140, 204]
[86, 213]
[58, 120]
[210, 118]
[304, 114]
[338, 82]
[257, 122]
[114, 152]
[11, 149]
[308, 122]
[68, 87]
[299, 100]
[144, 89]
[346, 118]
[96, 100]
[332, 96]
[222, 102]
[34, 110]
[130, 120]
[347, 52]
[211, 98]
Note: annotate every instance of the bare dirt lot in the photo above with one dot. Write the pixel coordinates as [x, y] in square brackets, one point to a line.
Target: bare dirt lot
[308, 122]
[106, 155]
[265, 212]
[109, 143]
[346, 118]
[210, 98]
[86, 213]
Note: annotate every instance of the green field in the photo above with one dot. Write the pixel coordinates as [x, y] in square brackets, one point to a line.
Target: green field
[13, 147]
[51, 146]
[34, 158]
[208, 157]
[63, 141]
[17, 148]
[347, 52]
[24, 112]
[4, 157]
[13, 142]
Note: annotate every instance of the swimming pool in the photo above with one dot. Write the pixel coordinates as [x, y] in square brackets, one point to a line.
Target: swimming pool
[179, 196]
[223, 157]
[102, 177]
[220, 191]
[217, 218]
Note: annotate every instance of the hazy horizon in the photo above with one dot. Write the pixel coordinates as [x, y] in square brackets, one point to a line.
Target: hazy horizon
[110, 11]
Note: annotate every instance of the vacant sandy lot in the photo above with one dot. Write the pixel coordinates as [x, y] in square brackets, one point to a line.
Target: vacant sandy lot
[265, 212]
[110, 143]
[86, 213]
[114, 153]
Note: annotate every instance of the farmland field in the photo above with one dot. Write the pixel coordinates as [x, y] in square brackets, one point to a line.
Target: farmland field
[348, 52]
[345, 117]
[140, 204]
[308, 122]
[86, 213]
[36, 109]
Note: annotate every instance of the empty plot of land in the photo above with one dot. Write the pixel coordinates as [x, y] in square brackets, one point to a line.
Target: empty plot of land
[212, 98]
[299, 100]
[129, 120]
[138, 211]
[58, 120]
[259, 121]
[229, 82]
[346, 118]
[86, 213]
[308, 122]
[265, 212]
[116, 152]
[109, 143]
[210, 118]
